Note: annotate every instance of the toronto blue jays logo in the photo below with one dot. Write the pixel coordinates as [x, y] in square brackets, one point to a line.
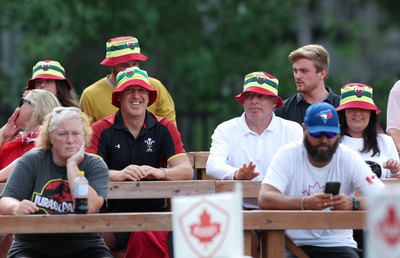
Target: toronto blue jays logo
[359, 92]
[149, 142]
[325, 115]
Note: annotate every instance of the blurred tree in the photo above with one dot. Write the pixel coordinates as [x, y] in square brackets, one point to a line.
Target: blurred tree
[201, 50]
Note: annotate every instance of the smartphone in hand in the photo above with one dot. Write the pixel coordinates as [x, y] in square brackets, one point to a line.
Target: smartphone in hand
[332, 187]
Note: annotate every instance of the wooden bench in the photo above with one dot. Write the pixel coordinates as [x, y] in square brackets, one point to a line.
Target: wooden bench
[272, 224]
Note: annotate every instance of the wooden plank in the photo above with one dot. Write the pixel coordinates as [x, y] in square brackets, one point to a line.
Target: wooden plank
[159, 189]
[249, 188]
[122, 222]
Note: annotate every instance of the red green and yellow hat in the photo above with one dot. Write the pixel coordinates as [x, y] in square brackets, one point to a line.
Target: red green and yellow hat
[357, 95]
[261, 83]
[47, 69]
[121, 50]
[133, 76]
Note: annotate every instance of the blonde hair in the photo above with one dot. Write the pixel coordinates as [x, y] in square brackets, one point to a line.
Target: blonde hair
[43, 103]
[53, 119]
[316, 53]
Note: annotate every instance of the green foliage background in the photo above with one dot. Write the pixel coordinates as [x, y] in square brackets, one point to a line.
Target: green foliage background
[201, 50]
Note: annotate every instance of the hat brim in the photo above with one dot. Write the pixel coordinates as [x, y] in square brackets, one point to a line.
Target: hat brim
[239, 98]
[360, 105]
[31, 86]
[152, 92]
[321, 128]
[112, 61]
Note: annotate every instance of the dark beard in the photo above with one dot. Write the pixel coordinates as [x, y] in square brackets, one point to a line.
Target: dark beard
[318, 155]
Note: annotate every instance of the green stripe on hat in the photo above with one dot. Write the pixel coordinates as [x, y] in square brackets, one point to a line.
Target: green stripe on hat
[356, 93]
[51, 68]
[122, 47]
[261, 80]
[133, 73]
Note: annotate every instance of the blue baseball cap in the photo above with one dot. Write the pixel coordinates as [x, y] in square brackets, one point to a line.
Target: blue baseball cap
[322, 117]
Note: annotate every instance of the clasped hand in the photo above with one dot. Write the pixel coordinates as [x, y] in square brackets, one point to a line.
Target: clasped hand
[320, 201]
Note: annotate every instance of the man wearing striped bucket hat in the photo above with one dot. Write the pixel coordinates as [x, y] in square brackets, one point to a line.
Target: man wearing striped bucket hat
[137, 145]
[242, 147]
[121, 53]
[50, 75]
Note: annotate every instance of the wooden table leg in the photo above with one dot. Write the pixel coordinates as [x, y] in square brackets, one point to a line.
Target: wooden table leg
[273, 244]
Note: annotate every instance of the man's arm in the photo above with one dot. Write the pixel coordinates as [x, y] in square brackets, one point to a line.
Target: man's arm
[271, 198]
[395, 133]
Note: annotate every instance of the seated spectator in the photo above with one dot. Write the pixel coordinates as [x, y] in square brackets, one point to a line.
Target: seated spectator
[18, 135]
[242, 148]
[393, 114]
[137, 145]
[360, 129]
[296, 180]
[50, 75]
[48, 173]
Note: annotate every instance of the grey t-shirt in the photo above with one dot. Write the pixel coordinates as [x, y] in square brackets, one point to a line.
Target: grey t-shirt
[38, 179]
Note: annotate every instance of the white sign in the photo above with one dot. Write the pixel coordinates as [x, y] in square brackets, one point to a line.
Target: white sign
[208, 225]
[384, 224]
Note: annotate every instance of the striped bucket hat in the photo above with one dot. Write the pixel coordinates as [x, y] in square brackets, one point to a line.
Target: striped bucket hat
[261, 83]
[47, 69]
[133, 76]
[121, 50]
[357, 95]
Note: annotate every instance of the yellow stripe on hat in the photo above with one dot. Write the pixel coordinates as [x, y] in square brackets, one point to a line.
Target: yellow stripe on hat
[261, 80]
[133, 73]
[122, 47]
[48, 67]
[356, 92]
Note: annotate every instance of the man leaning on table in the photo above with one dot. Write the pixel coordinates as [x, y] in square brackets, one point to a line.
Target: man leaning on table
[296, 179]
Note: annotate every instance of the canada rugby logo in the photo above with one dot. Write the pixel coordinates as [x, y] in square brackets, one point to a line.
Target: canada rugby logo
[204, 227]
[389, 227]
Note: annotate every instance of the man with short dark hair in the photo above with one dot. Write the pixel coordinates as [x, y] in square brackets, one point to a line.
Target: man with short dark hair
[297, 176]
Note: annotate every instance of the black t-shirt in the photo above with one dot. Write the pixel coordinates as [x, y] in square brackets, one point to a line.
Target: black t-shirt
[294, 108]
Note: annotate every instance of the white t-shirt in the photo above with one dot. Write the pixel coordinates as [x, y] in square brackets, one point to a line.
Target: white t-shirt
[393, 108]
[386, 146]
[233, 144]
[293, 175]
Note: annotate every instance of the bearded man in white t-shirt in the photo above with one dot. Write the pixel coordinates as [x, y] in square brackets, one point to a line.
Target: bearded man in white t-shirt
[296, 178]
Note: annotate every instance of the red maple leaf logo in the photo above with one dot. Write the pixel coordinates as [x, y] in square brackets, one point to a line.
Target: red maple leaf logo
[205, 231]
[389, 227]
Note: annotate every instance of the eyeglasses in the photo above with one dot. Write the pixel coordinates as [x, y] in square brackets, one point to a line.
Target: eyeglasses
[59, 110]
[27, 101]
[251, 95]
[328, 135]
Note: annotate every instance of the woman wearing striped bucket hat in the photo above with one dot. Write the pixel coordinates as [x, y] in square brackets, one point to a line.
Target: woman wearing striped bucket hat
[360, 130]
[122, 53]
[50, 75]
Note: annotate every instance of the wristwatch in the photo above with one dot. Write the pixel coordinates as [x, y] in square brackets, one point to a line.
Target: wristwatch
[356, 204]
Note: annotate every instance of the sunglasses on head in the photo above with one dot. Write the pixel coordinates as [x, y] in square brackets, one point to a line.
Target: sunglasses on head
[328, 135]
[23, 101]
[59, 110]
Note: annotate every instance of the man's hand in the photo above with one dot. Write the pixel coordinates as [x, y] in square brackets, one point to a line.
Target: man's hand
[320, 201]
[246, 172]
[130, 173]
